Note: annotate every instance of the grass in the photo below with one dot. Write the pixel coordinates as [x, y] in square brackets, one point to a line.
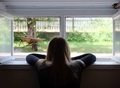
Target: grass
[91, 47]
[79, 47]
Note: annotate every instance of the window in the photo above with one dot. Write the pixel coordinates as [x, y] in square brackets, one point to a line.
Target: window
[44, 27]
[90, 35]
[5, 39]
[117, 37]
[85, 35]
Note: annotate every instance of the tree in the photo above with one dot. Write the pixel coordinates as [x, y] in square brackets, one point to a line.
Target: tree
[31, 24]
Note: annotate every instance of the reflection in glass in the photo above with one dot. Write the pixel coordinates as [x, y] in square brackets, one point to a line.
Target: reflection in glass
[5, 37]
[117, 37]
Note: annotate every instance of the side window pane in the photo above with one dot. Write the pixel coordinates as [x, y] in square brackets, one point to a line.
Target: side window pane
[5, 37]
[117, 37]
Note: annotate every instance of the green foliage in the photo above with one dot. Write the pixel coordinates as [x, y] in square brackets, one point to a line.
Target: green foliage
[42, 35]
[17, 35]
[73, 36]
[89, 36]
[47, 35]
[19, 20]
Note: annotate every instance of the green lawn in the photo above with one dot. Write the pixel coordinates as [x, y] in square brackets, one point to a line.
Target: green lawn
[93, 47]
[79, 47]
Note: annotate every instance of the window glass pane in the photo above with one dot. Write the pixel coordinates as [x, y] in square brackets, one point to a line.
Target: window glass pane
[5, 37]
[44, 28]
[90, 35]
[117, 37]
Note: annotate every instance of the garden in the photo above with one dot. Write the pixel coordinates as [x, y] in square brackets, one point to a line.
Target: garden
[87, 35]
[85, 42]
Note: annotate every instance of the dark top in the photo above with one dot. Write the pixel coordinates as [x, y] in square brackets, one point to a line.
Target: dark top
[78, 64]
[45, 80]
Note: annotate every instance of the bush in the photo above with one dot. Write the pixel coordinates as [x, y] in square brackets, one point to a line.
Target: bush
[72, 36]
[89, 36]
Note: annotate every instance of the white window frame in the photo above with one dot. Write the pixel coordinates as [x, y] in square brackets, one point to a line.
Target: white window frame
[62, 32]
[115, 17]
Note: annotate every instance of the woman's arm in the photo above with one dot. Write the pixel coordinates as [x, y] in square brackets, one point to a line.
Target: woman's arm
[33, 58]
[88, 59]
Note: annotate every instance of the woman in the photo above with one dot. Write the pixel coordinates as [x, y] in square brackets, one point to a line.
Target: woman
[57, 69]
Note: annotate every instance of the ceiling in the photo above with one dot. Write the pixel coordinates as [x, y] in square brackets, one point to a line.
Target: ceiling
[59, 7]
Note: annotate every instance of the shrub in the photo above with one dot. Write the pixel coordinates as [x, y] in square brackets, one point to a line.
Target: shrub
[72, 36]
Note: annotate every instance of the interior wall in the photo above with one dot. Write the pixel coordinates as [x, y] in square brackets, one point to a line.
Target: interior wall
[92, 77]
[2, 7]
[101, 79]
[18, 78]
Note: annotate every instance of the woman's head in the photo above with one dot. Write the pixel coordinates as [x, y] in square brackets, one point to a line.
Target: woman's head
[58, 50]
[58, 54]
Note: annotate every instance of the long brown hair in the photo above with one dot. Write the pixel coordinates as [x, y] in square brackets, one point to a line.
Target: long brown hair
[58, 53]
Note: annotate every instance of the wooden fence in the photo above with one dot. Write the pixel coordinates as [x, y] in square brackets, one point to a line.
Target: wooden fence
[55, 26]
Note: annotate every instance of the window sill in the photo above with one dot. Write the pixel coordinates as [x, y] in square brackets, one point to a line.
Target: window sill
[103, 62]
[99, 64]
[106, 62]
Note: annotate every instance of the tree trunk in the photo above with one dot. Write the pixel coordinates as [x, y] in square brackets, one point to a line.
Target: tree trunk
[31, 24]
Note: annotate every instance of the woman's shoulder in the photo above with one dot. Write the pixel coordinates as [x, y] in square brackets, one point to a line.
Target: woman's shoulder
[77, 63]
[42, 63]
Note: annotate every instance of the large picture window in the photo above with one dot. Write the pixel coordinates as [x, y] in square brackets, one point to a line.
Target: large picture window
[84, 35]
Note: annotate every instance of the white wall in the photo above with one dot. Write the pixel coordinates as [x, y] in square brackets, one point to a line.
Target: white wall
[2, 7]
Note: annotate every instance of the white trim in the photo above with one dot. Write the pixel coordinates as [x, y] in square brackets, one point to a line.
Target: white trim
[6, 59]
[116, 15]
[60, 12]
[12, 39]
[5, 14]
[113, 48]
[63, 27]
[116, 58]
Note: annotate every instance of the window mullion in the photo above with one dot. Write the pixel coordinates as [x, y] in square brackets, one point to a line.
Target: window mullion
[12, 39]
[113, 50]
[63, 27]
